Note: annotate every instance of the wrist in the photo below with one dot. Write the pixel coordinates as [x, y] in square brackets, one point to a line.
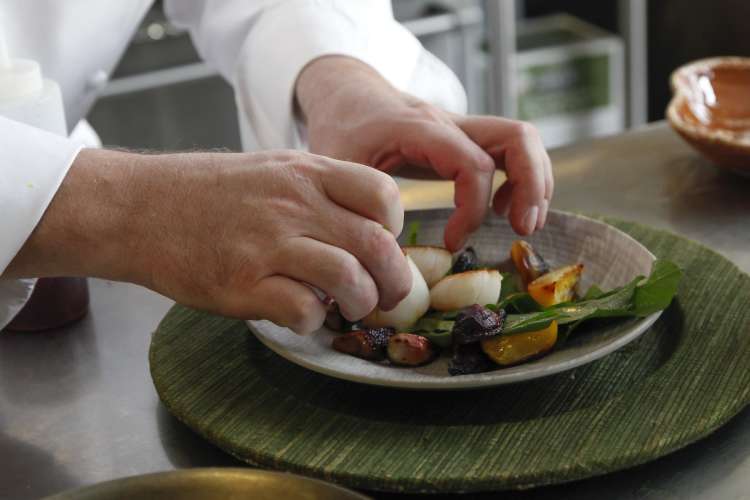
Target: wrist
[333, 88]
[85, 225]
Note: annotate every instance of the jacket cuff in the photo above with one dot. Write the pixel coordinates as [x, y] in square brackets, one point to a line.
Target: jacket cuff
[268, 67]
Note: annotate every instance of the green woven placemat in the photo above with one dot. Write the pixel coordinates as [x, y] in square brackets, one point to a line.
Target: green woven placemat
[681, 380]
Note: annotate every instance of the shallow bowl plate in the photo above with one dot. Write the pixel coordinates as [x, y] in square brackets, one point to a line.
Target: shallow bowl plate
[610, 257]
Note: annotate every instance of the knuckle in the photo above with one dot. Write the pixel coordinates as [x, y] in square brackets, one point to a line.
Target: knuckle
[526, 129]
[381, 243]
[387, 191]
[347, 277]
[306, 314]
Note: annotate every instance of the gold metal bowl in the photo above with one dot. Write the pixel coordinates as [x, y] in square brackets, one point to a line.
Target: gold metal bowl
[210, 484]
[711, 109]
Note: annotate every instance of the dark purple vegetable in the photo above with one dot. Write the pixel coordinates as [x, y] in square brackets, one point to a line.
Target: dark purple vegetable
[370, 343]
[336, 322]
[466, 261]
[469, 358]
[475, 323]
[409, 349]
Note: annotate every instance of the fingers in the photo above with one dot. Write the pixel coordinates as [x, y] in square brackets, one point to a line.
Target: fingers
[375, 248]
[287, 303]
[501, 200]
[333, 270]
[452, 155]
[517, 148]
[367, 192]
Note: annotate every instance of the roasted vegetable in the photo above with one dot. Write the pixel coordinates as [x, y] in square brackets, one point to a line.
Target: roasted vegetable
[529, 264]
[464, 289]
[506, 350]
[436, 328]
[370, 343]
[466, 261]
[477, 322]
[409, 349]
[336, 322]
[409, 310]
[469, 358]
[433, 262]
[557, 286]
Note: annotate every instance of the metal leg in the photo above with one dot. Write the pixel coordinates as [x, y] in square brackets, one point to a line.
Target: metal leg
[501, 28]
[633, 16]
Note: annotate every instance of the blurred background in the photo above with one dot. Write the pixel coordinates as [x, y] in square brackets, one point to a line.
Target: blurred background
[575, 68]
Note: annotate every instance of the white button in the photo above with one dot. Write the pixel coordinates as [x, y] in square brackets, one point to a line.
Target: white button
[98, 80]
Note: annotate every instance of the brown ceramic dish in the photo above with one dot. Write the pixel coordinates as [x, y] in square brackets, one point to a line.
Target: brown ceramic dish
[711, 109]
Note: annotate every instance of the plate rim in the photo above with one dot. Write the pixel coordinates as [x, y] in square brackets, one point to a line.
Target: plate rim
[479, 380]
[197, 474]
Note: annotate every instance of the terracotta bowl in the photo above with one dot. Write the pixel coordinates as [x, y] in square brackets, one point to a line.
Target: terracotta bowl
[711, 109]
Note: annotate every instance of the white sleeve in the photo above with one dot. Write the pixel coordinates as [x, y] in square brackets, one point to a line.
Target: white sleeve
[33, 163]
[261, 46]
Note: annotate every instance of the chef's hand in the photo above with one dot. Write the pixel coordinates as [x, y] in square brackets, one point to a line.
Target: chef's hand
[237, 234]
[352, 113]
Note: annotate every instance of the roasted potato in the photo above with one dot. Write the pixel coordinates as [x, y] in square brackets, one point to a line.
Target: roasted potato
[556, 286]
[529, 264]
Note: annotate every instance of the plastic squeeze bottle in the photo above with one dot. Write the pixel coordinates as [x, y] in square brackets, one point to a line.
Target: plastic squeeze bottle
[26, 96]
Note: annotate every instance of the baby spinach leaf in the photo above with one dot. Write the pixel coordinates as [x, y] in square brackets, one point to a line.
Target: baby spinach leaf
[657, 291]
[641, 297]
[413, 233]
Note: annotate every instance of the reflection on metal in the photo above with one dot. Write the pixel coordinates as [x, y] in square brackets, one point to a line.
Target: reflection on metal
[159, 78]
[441, 23]
[633, 15]
[501, 27]
[214, 483]
[432, 25]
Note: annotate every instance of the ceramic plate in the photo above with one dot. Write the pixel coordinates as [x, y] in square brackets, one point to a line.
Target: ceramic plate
[610, 257]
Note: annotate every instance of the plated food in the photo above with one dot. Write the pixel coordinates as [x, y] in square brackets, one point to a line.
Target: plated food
[611, 259]
[484, 319]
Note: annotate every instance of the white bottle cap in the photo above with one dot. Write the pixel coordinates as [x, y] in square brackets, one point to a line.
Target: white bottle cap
[18, 77]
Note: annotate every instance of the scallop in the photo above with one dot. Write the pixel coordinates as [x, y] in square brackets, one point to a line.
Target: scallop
[457, 291]
[433, 262]
[409, 310]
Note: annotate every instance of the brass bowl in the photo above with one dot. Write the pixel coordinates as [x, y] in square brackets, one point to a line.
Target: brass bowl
[210, 484]
[710, 109]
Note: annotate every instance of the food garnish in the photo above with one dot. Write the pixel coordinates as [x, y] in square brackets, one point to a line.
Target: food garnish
[487, 320]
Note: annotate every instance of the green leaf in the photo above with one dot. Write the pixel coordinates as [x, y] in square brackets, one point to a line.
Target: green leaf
[519, 323]
[435, 328]
[413, 233]
[656, 293]
[510, 285]
[640, 297]
[594, 292]
[520, 303]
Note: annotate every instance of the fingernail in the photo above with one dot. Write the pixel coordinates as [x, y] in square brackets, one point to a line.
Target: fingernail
[529, 220]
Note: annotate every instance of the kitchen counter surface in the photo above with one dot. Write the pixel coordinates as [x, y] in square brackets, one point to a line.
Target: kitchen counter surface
[77, 405]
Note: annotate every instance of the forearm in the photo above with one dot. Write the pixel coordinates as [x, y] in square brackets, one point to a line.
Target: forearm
[84, 226]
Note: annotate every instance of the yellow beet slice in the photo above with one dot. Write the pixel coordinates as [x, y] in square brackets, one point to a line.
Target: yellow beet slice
[556, 286]
[507, 350]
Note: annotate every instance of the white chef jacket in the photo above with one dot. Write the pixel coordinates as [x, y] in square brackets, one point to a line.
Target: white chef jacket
[259, 46]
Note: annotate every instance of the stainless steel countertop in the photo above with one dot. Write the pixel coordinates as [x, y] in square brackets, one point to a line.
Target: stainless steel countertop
[77, 405]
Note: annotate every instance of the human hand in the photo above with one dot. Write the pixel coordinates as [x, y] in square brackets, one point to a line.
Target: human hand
[352, 113]
[236, 234]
